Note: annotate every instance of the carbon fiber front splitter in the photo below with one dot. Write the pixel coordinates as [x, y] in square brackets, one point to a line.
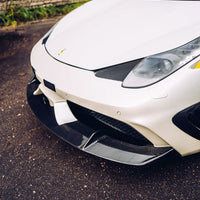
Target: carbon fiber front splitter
[95, 142]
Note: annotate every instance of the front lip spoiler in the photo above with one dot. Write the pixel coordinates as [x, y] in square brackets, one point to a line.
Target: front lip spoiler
[95, 142]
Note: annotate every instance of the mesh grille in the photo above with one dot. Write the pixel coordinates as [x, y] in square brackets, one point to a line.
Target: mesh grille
[112, 127]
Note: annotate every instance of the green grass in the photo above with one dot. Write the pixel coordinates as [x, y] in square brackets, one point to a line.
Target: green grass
[16, 14]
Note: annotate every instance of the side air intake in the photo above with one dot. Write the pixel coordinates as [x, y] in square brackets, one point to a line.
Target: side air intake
[188, 120]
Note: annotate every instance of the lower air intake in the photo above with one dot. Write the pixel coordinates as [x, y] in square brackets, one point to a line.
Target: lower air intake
[113, 127]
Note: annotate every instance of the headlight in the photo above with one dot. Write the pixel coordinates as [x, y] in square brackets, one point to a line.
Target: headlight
[155, 68]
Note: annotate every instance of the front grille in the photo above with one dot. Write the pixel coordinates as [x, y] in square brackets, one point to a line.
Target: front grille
[108, 125]
[188, 120]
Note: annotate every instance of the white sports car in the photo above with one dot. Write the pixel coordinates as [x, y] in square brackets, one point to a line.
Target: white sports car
[121, 79]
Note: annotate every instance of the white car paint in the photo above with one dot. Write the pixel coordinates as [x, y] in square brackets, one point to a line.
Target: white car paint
[103, 33]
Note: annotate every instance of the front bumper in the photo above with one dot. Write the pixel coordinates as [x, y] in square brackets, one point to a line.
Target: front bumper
[95, 141]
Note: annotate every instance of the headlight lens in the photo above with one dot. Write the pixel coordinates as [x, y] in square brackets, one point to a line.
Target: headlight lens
[154, 68]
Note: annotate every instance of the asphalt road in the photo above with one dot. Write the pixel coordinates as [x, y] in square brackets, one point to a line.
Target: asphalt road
[35, 164]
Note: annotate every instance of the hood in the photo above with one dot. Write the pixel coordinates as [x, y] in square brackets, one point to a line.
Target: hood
[103, 33]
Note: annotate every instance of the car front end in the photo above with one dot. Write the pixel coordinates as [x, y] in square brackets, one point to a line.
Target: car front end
[129, 94]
